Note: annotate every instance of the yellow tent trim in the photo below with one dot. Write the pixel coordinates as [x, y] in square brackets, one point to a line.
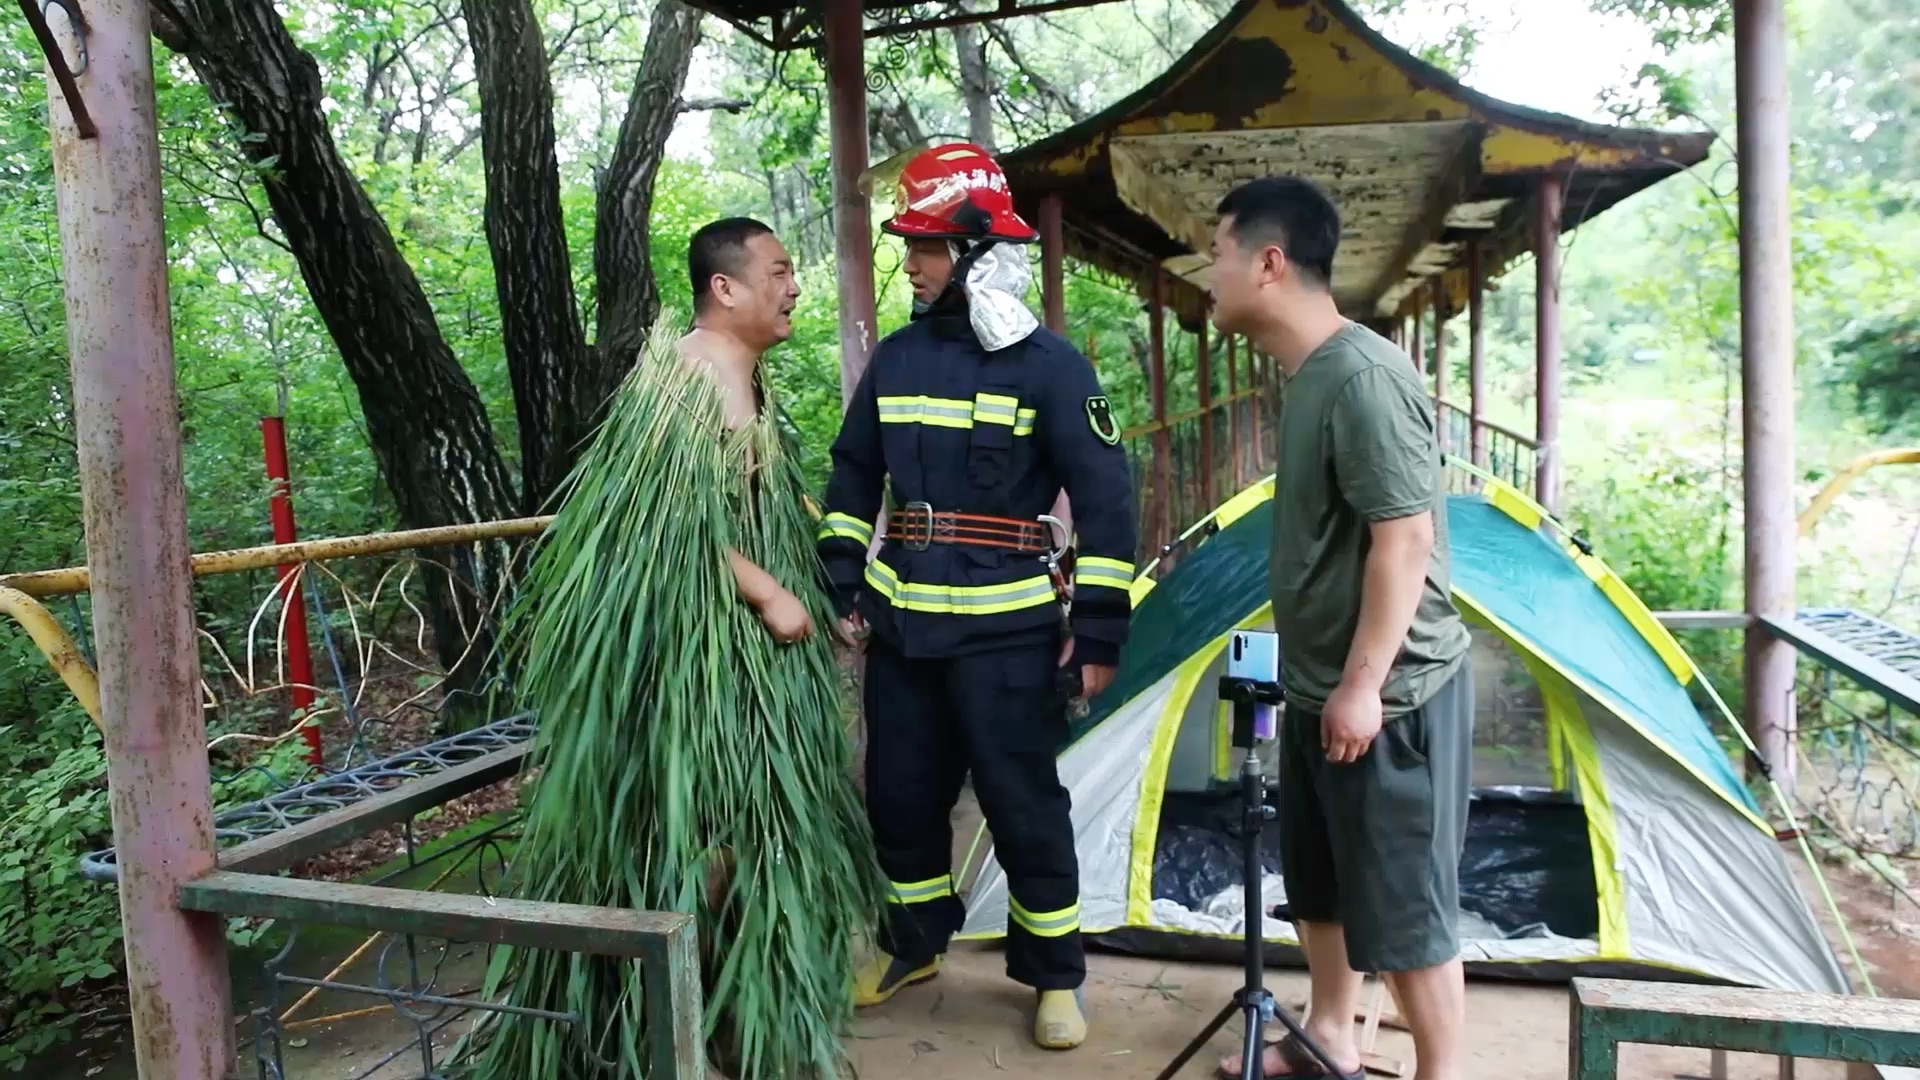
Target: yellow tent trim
[1637, 613]
[1515, 503]
[1153, 787]
[1515, 638]
[1564, 710]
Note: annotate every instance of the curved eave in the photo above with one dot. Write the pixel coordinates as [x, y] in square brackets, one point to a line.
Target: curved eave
[1280, 65]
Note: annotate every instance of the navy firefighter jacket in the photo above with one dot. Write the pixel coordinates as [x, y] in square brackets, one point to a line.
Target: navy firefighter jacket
[939, 420]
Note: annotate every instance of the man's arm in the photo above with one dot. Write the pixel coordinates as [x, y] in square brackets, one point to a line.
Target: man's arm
[1383, 462]
[1081, 438]
[1394, 575]
[853, 495]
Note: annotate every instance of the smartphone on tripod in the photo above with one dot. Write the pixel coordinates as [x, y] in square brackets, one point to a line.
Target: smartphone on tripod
[1254, 655]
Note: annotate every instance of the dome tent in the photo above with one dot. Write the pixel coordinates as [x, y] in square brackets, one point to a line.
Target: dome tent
[1609, 832]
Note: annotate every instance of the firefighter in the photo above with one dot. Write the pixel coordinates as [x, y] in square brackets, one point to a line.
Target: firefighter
[967, 425]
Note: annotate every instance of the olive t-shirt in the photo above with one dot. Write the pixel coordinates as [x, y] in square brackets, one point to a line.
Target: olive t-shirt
[1356, 445]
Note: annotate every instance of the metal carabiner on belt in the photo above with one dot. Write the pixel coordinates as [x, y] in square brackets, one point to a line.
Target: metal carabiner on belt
[1060, 540]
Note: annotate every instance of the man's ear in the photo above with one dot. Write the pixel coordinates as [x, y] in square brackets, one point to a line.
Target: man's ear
[1273, 262]
[720, 287]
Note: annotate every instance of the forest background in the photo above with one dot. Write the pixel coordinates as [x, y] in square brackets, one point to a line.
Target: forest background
[344, 182]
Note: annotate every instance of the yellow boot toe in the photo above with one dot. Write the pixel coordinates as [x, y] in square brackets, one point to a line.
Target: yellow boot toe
[1059, 1023]
[883, 976]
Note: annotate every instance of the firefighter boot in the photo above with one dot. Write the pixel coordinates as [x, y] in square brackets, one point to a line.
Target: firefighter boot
[883, 976]
[1059, 1023]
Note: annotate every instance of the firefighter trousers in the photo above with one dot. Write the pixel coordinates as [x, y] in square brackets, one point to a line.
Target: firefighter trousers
[1001, 715]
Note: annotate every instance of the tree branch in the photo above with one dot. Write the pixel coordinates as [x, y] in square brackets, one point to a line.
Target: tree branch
[426, 423]
[726, 105]
[545, 346]
[628, 300]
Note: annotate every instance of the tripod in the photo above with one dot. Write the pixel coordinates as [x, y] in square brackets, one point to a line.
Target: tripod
[1253, 998]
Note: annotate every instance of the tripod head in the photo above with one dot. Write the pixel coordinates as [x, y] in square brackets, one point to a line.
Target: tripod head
[1255, 702]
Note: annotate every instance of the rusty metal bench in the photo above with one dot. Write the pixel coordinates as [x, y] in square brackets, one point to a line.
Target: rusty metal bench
[1839, 1027]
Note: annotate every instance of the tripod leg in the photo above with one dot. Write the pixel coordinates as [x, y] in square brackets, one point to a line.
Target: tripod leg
[1199, 1041]
[1252, 1049]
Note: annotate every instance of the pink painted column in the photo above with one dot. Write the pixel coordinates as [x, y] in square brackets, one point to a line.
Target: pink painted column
[119, 333]
[1053, 299]
[852, 222]
[1476, 354]
[1766, 373]
[1162, 449]
[1203, 364]
[1236, 455]
[1546, 340]
[1440, 363]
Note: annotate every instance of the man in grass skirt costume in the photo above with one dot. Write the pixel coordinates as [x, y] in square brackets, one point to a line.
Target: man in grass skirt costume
[973, 419]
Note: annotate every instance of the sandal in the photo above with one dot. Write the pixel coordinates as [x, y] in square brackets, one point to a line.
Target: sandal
[1300, 1063]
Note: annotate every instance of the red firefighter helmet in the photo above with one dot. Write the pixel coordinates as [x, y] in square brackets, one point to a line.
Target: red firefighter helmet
[956, 192]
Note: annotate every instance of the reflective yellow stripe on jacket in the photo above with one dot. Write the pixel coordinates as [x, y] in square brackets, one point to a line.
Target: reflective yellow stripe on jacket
[847, 527]
[957, 413]
[958, 599]
[1094, 570]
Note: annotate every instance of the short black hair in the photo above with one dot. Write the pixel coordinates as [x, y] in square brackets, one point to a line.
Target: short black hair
[1292, 213]
[719, 247]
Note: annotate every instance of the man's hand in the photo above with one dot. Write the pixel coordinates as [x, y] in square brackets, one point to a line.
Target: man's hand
[1349, 722]
[1093, 677]
[850, 629]
[786, 617]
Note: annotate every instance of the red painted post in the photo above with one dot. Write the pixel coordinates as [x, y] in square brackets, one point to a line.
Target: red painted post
[1476, 354]
[1546, 341]
[1203, 371]
[1233, 414]
[1162, 450]
[852, 223]
[273, 432]
[1440, 363]
[1767, 385]
[127, 421]
[1257, 378]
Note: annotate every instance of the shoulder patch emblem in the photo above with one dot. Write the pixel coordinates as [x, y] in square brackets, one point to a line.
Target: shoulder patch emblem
[1100, 419]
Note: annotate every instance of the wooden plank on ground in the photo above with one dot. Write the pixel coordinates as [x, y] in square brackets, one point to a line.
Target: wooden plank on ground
[315, 836]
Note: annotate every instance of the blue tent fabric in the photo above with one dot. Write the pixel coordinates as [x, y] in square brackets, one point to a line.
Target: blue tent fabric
[1522, 577]
[1209, 592]
[1530, 583]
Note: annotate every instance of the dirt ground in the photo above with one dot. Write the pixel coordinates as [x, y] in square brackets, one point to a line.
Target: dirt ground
[972, 1024]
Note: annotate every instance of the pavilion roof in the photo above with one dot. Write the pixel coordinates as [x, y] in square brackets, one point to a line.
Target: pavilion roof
[1418, 163]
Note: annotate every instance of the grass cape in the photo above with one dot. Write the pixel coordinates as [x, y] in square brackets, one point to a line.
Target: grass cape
[676, 737]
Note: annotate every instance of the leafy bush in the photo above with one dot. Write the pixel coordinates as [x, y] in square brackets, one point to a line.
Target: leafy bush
[60, 933]
[1665, 521]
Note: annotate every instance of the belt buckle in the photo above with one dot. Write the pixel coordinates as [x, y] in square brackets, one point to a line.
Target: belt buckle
[926, 540]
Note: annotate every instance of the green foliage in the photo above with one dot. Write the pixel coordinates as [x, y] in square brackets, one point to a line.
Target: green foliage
[1884, 363]
[688, 762]
[1664, 522]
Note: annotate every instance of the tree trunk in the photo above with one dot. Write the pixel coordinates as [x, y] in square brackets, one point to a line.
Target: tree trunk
[427, 425]
[540, 324]
[976, 84]
[622, 257]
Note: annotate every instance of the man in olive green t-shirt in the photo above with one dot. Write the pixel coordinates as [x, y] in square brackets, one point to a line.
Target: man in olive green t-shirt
[1376, 742]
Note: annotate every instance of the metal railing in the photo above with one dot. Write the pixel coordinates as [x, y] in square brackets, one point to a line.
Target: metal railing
[1500, 451]
[1242, 443]
[388, 767]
